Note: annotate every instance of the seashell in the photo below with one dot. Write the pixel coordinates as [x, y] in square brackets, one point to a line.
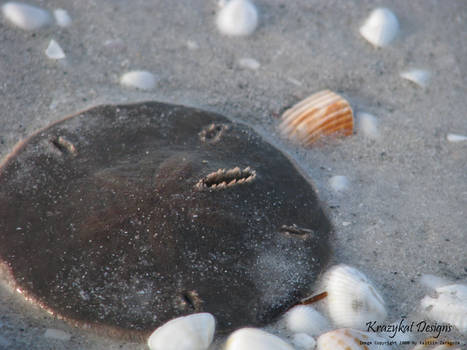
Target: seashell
[456, 138]
[139, 79]
[193, 332]
[368, 125]
[62, 18]
[381, 27]
[305, 319]
[351, 339]
[249, 63]
[339, 183]
[352, 299]
[323, 113]
[303, 341]
[54, 51]
[25, 16]
[58, 334]
[237, 18]
[418, 76]
[255, 339]
[449, 306]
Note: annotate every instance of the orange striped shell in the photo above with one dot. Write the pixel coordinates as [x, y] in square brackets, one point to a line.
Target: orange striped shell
[322, 114]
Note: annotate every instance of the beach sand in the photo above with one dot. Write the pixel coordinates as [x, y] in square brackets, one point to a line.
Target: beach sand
[404, 212]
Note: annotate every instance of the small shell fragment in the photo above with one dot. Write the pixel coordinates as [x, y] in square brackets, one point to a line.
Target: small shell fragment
[62, 18]
[352, 299]
[54, 51]
[249, 63]
[449, 306]
[237, 18]
[368, 125]
[339, 183]
[305, 319]
[25, 16]
[456, 138]
[303, 341]
[322, 114]
[193, 332]
[351, 339]
[381, 27]
[419, 77]
[255, 339]
[58, 334]
[139, 79]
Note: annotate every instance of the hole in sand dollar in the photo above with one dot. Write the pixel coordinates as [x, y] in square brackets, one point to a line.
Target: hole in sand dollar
[222, 179]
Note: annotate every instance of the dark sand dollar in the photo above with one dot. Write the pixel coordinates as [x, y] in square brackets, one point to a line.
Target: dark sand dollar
[119, 218]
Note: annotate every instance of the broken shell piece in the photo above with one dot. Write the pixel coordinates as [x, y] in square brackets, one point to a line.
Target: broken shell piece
[352, 299]
[449, 306]
[139, 79]
[418, 76]
[305, 319]
[25, 16]
[368, 125]
[237, 18]
[321, 114]
[381, 27]
[193, 332]
[58, 334]
[249, 63]
[255, 339]
[303, 341]
[456, 138]
[351, 339]
[339, 183]
[54, 51]
[62, 18]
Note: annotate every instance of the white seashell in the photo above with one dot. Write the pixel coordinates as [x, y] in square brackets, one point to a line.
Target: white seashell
[322, 114]
[192, 45]
[237, 18]
[25, 16]
[339, 183]
[418, 76]
[57, 334]
[456, 138]
[139, 79]
[305, 319]
[381, 27]
[249, 63]
[193, 332]
[351, 339]
[62, 18]
[303, 341]
[255, 339]
[449, 306]
[352, 299]
[54, 51]
[368, 125]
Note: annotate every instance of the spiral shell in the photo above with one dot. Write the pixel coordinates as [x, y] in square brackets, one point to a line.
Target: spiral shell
[322, 114]
[449, 306]
[352, 299]
[351, 339]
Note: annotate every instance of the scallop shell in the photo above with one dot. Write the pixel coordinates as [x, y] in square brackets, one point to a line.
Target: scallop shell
[255, 339]
[381, 27]
[237, 18]
[305, 319]
[449, 306]
[193, 332]
[323, 113]
[352, 299]
[351, 339]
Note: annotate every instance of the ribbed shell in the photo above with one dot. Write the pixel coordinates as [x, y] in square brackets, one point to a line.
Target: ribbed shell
[350, 339]
[321, 114]
[352, 299]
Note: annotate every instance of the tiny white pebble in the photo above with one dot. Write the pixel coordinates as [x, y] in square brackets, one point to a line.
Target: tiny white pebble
[418, 76]
[368, 125]
[54, 51]
[249, 63]
[62, 18]
[237, 18]
[456, 138]
[25, 16]
[346, 223]
[139, 79]
[339, 183]
[192, 45]
[303, 341]
[57, 334]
